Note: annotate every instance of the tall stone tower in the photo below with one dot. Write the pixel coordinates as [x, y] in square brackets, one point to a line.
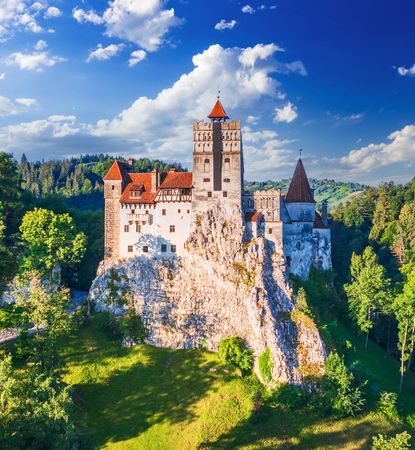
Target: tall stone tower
[217, 161]
[114, 183]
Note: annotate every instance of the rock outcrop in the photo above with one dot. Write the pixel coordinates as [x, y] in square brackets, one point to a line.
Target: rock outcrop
[221, 287]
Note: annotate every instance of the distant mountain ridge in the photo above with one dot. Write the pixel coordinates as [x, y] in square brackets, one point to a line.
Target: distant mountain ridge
[79, 180]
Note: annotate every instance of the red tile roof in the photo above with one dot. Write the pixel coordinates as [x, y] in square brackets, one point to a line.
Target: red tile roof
[318, 222]
[143, 179]
[299, 190]
[252, 216]
[117, 172]
[176, 180]
[218, 112]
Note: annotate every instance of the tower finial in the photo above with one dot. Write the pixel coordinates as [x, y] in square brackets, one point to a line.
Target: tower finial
[218, 93]
[300, 151]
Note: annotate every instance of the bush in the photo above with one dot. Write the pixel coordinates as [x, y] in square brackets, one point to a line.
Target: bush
[410, 420]
[234, 350]
[132, 328]
[290, 396]
[265, 365]
[399, 442]
[342, 397]
[387, 404]
[301, 302]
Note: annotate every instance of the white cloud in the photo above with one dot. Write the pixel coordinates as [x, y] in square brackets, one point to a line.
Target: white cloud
[250, 55]
[143, 22]
[273, 7]
[52, 12]
[223, 25]
[33, 61]
[247, 9]
[287, 113]
[28, 102]
[136, 57]
[2, 76]
[403, 71]
[252, 120]
[41, 45]
[104, 53]
[400, 148]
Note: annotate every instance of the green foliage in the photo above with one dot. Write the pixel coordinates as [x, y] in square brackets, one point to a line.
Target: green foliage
[36, 410]
[289, 396]
[234, 350]
[301, 302]
[343, 398]
[387, 405]
[398, 442]
[245, 275]
[50, 239]
[265, 365]
[132, 327]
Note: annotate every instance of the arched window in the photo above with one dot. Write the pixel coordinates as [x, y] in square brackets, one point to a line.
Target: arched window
[227, 164]
[207, 165]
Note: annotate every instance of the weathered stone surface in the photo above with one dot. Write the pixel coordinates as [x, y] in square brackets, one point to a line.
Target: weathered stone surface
[221, 287]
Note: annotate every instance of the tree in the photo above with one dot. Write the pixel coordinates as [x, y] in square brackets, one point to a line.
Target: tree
[344, 399]
[9, 185]
[404, 243]
[7, 258]
[50, 239]
[235, 351]
[404, 308]
[382, 216]
[369, 290]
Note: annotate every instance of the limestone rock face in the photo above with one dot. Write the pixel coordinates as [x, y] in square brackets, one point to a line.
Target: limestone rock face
[221, 287]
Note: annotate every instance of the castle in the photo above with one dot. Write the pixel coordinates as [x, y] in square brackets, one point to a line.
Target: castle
[152, 214]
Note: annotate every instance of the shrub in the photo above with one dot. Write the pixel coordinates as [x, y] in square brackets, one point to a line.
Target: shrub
[132, 327]
[301, 302]
[265, 365]
[342, 397]
[234, 350]
[290, 396]
[387, 404]
[410, 420]
[399, 442]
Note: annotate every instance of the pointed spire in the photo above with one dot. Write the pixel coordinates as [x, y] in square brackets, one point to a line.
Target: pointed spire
[299, 190]
[218, 113]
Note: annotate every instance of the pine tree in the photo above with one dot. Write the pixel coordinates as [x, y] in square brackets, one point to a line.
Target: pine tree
[382, 216]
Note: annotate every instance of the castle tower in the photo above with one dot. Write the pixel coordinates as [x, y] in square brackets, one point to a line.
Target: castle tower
[217, 161]
[299, 200]
[114, 182]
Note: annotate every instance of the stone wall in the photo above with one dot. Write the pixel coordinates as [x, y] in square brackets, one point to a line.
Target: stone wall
[221, 287]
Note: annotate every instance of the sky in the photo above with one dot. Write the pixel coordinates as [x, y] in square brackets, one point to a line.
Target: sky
[128, 77]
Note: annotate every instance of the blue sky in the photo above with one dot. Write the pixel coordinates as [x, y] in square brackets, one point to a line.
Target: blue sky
[128, 77]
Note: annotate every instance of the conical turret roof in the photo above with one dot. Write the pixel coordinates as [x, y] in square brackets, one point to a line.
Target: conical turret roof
[299, 190]
[218, 113]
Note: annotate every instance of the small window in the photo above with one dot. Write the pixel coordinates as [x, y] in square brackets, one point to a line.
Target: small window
[133, 211]
[138, 228]
[163, 212]
[164, 248]
[130, 249]
[173, 249]
[113, 187]
[135, 193]
[207, 161]
[145, 249]
[226, 180]
[298, 245]
[269, 230]
[179, 211]
[126, 228]
[227, 160]
[288, 260]
[188, 211]
[206, 180]
[209, 194]
[172, 228]
[225, 194]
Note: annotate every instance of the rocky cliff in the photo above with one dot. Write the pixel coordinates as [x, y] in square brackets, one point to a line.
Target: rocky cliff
[221, 287]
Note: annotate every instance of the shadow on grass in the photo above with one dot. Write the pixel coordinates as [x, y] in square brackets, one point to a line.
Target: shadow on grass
[152, 385]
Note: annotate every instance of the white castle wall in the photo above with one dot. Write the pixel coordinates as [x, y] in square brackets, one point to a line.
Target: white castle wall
[154, 228]
[322, 248]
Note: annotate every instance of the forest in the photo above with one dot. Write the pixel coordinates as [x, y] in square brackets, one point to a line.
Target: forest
[51, 214]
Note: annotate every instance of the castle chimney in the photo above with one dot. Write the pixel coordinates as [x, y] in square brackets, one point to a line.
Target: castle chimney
[155, 180]
[324, 213]
[131, 162]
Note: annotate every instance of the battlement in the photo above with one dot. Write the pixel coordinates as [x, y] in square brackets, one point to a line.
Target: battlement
[201, 125]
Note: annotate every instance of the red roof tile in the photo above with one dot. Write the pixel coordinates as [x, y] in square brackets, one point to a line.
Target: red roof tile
[137, 179]
[176, 180]
[117, 172]
[318, 222]
[218, 112]
[252, 216]
[299, 190]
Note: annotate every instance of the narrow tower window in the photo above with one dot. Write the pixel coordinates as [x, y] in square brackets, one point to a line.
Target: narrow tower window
[207, 165]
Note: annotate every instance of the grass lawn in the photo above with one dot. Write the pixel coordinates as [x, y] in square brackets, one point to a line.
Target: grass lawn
[150, 398]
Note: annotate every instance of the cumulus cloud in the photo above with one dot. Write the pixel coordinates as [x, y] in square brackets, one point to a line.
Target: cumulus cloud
[33, 61]
[143, 22]
[18, 15]
[223, 25]
[247, 9]
[28, 102]
[136, 57]
[250, 55]
[41, 45]
[406, 72]
[399, 148]
[287, 113]
[104, 53]
[52, 12]
[9, 107]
